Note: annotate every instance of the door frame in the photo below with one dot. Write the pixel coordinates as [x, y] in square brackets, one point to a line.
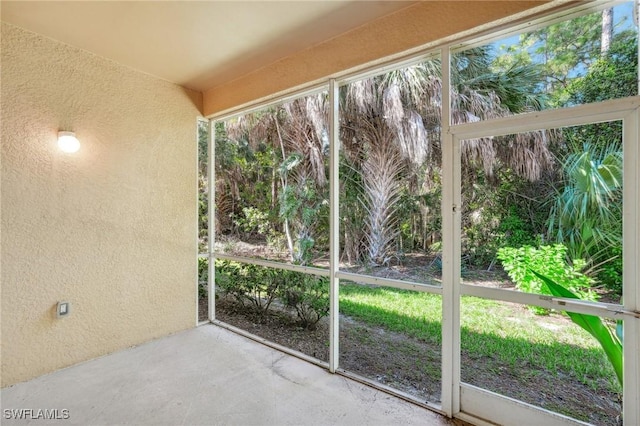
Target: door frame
[470, 402]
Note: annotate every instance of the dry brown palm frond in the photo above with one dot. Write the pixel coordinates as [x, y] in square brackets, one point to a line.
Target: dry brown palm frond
[318, 114]
[402, 109]
[479, 151]
[416, 86]
[225, 203]
[471, 106]
[413, 139]
[236, 127]
[432, 93]
[527, 154]
[361, 95]
[392, 105]
[302, 132]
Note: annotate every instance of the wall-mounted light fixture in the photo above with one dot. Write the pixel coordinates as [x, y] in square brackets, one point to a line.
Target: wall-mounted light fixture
[68, 142]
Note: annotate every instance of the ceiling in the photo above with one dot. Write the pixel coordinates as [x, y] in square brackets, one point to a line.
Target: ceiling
[196, 44]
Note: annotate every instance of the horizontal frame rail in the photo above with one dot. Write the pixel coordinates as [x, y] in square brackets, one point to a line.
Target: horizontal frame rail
[605, 310]
[611, 110]
[483, 402]
[389, 282]
[275, 265]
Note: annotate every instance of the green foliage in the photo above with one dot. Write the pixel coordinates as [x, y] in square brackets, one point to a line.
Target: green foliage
[547, 48]
[308, 295]
[610, 274]
[253, 220]
[550, 261]
[587, 212]
[203, 143]
[203, 277]
[587, 215]
[248, 283]
[613, 76]
[203, 213]
[609, 340]
[352, 212]
[264, 288]
[514, 231]
[303, 206]
[495, 215]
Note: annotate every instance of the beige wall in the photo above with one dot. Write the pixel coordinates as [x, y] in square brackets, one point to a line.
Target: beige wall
[412, 27]
[112, 228]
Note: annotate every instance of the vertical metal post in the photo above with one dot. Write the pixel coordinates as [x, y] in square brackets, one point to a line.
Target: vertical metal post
[451, 202]
[631, 268]
[211, 183]
[334, 224]
[197, 211]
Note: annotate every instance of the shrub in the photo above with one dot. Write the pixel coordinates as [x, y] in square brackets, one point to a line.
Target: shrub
[259, 287]
[513, 230]
[550, 262]
[253, 220]
[308, 295]
[247, 283]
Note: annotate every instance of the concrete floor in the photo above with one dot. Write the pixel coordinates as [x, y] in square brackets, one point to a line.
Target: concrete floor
[207, 376]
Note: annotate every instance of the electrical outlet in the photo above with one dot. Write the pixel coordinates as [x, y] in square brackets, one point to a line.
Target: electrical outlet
[63, 309]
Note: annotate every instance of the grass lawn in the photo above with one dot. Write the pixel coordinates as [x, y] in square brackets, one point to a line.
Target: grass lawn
[506, 337]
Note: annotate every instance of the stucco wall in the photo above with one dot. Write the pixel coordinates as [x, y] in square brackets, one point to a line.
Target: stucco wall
[409, 28]
[112, 228]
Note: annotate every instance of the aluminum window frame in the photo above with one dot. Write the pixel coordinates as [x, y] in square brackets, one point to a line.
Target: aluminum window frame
[451, 290]
[509, 410]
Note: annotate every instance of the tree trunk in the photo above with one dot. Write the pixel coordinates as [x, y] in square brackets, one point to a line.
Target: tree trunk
[283, 183]
[607, 30]
[274, 187]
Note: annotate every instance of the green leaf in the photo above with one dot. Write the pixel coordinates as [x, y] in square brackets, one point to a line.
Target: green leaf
[594, 325]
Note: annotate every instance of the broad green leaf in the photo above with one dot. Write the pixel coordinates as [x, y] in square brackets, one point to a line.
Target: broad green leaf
[609, 341]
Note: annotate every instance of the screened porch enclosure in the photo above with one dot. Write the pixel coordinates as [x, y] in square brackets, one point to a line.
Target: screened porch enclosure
[459, 227]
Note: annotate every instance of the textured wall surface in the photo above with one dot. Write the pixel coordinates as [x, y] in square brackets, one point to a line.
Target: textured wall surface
[112, 228]
[408, 28]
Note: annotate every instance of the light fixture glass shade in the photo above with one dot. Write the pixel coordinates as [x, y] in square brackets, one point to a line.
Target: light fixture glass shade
[68, 142]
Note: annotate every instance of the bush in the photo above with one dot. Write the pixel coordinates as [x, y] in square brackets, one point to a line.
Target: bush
[253, 220]
[550, 262]
[260, 287]
[247, 283]
[610, 274]
[513, 231]
[308, 295]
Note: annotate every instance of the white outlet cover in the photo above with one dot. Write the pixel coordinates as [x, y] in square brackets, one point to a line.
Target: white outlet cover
[63, 309]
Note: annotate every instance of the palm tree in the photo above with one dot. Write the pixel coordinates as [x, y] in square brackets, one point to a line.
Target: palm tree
[390, 132]
[390, 137]
[587, 214]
